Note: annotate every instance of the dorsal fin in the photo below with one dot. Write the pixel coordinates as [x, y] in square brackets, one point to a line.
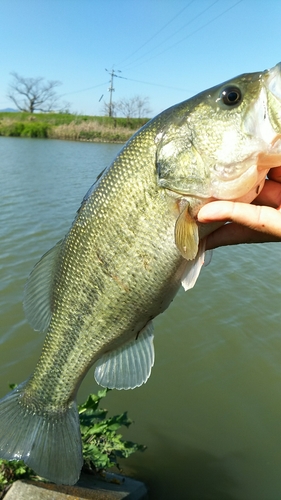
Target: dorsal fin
[130, 365]
[38, 290]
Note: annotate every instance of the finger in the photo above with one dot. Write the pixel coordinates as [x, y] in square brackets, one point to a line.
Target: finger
[259, 218]
[235, 234]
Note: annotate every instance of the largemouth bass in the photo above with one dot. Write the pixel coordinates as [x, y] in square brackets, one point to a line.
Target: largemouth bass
[133, 242]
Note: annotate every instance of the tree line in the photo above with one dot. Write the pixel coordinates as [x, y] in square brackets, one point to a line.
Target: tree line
[38, 94]
[134, 107]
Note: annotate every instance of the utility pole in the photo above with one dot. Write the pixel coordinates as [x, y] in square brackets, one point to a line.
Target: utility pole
[112, 89]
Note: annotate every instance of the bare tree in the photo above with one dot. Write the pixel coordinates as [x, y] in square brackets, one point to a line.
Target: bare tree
[127, 107]
[135, 106]
[33, 94]
[142, 105]
[106, 109]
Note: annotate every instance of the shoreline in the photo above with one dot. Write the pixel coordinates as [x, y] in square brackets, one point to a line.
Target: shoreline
[69, 127]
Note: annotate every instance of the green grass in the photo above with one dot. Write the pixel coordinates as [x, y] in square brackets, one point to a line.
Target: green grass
[69, 127]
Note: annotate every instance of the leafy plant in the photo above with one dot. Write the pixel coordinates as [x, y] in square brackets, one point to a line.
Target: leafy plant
[11, 472]
[102, 445]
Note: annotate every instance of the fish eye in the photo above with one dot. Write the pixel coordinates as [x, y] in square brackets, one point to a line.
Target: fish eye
[231, 96]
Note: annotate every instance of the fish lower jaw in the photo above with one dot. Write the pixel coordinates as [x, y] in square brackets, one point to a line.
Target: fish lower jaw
[244, 188]
[246, 185]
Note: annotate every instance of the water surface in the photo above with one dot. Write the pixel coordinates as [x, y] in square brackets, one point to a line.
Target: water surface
[210, 413]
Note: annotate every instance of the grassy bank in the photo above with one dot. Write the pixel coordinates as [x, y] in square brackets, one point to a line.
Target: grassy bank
[69, 127]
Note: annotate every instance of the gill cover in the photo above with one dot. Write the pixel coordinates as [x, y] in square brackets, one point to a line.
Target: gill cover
[180, 167]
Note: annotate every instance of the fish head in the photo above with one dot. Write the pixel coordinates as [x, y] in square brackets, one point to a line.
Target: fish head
[221, 143]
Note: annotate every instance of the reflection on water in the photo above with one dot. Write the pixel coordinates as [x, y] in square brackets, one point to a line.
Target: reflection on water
[210, 412]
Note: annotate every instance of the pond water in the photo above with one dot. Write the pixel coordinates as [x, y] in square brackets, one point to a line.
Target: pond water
[210, 413]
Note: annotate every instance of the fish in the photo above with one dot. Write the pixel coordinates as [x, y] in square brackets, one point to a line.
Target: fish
[134, 241]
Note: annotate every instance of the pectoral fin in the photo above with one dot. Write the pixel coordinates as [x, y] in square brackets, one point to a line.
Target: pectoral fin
[130, 365]
[186, 235]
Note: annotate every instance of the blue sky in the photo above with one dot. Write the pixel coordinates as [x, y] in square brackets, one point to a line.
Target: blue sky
[166, 50]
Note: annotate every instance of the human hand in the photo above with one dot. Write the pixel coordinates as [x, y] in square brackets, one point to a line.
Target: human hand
[258, 222]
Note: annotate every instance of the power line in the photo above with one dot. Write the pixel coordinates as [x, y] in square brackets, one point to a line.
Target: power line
[84, 90]
[113, 75]
[155, 34]
[200, 28]
[130, 80]
[188, 36]
[159, 85]
[174, 33]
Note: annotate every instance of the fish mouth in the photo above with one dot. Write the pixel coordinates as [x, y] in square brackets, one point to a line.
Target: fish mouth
[272, 158]
[263, 124]
[224, 186]
[273, 81]
[263, 121]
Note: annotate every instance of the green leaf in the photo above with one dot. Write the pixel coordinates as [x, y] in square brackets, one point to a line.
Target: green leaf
[92, 402]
